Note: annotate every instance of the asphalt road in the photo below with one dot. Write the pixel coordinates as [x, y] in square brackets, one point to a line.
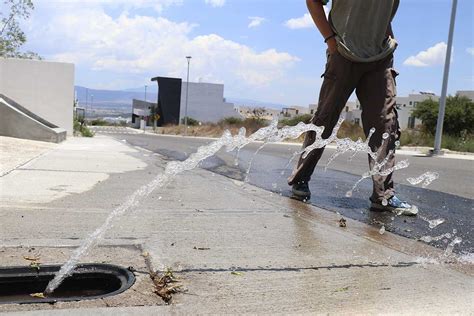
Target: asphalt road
[449, 197]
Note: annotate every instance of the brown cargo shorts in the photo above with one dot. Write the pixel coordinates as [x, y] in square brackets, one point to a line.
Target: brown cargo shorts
[375, 87]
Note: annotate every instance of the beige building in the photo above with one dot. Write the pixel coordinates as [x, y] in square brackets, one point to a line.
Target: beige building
[248, 112]
[466, 93]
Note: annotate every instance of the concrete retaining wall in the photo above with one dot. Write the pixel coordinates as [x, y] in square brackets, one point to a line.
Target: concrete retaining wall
[44, 88]
[16, 123]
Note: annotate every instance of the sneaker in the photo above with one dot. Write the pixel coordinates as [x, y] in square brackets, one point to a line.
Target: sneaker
[301, 190]
[395, 205]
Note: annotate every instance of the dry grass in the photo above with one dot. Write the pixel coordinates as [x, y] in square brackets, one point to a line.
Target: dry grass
[216, 130]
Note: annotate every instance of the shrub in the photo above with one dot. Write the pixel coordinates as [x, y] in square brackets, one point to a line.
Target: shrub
[231, 120]
[458, 119]
[99, 122]
[305, 118]
[86, 132]
[191, 121]
[423, 138]
[81, 129]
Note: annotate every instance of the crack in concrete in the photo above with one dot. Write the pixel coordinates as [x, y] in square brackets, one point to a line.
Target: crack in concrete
[299, 269]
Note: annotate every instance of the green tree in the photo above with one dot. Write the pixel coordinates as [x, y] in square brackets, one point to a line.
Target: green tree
[458, 119]
[12, 38]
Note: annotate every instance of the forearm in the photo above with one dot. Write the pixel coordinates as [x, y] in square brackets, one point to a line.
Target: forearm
[389, 31]
[316, 10]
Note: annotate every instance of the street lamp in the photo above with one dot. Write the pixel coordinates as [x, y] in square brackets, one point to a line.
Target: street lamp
[442, 100]
[186, 107]
[92, 102]
[87, 98]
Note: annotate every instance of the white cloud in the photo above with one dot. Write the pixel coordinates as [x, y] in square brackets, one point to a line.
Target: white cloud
[142, 46]
[215, 3]
[434, 55]
[303, 22]
[156, 5]
[470, 51]
[255, 21]
[300, 23]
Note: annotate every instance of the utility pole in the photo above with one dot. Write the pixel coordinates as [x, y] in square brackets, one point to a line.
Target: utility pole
[186, 107]
[145, 91]
[442, 100]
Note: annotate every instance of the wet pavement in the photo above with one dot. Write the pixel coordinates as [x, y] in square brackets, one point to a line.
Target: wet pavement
[235, 248]
[269, 171]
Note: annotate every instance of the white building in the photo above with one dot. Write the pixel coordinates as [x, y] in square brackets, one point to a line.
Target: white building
[44, 88]
[206, 102]
[293, 111]
[406, 105]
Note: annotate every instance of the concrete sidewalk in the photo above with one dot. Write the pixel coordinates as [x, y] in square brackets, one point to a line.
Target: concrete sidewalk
[235, 248]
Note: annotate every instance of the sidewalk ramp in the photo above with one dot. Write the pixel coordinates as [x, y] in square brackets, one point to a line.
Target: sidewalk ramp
[17, 121]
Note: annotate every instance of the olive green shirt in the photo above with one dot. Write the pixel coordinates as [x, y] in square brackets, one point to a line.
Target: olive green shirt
[361, 28]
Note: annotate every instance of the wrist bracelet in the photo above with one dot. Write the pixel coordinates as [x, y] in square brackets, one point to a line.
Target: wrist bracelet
[329, 37]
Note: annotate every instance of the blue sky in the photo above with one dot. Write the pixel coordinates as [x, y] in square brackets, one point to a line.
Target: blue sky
[260, 49]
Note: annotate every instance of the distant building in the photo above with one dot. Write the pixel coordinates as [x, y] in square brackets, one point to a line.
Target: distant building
[293, 111]
[248, 112]
[169, 100]
[312, 108]
[141, 110]
[205, 103]
[406, 105]
[466, 93]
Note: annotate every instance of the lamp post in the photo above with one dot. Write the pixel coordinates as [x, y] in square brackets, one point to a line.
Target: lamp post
[92, 102]
[186, 107]
[442, 100]
[87, 97]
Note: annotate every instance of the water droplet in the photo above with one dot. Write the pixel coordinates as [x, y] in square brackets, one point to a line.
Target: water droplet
[384, 202]
[160, 197]
[372, 130]
[385, 135]
[397, 143]
[426, 178]
[382, 230]
[435, 222]
[348, 194]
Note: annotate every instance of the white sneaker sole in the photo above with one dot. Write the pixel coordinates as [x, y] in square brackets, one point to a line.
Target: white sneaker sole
[412, 211]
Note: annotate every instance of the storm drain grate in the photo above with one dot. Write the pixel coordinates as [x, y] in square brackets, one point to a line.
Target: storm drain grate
[18, 285]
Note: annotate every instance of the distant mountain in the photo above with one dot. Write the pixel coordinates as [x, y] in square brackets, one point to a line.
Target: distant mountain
[111, 98]
[122, 99]
[255, 103]
[152, 88]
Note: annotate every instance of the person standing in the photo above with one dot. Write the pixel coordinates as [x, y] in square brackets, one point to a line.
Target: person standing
[360, 47]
